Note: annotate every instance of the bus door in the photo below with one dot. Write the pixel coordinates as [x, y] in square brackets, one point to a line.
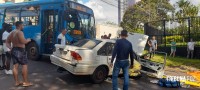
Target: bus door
[49, 28]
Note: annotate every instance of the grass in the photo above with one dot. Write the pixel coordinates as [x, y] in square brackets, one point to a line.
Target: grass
[179, 62]
[180, 44]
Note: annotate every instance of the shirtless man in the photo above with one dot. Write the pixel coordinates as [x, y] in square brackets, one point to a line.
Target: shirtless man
[18, 53]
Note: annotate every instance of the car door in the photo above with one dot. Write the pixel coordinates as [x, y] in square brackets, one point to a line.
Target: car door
[105, 52]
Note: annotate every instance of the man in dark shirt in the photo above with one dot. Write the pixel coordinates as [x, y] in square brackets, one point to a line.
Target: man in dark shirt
[122, 50]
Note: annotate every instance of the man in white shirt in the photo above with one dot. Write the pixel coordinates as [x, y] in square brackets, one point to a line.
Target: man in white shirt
[62, 41]
[6, 51]
[61, 37]
[190, 48]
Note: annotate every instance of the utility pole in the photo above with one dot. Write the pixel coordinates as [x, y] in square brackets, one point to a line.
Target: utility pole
[119, 12]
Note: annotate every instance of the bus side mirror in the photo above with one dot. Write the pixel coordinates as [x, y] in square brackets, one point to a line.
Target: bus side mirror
[67, 16]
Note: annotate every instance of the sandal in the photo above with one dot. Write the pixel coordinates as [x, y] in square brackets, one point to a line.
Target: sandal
[27, 85]
[19, 84]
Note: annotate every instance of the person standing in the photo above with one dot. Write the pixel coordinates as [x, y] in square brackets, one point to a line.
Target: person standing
[61, 37]
[173, 48]
[18, 53]
[190, 48]
[6, 55]
[105, 37]
[153, 43]
[102, 36]
[122, 51]
[109, 36]
[150, 45]
[3, 66]
[62, 41]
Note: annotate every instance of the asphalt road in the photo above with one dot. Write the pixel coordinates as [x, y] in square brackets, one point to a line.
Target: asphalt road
[44, 76]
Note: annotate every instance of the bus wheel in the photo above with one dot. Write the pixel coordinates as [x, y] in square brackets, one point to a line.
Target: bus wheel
[99, 75]
[32, 51]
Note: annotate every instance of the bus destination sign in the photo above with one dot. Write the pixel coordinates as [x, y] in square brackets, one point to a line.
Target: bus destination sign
[78, 7]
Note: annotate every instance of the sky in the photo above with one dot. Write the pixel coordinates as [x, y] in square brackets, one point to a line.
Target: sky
[105, 12]
[195, 2]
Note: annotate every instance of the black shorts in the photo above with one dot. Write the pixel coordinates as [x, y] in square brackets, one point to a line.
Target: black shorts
[19, 56]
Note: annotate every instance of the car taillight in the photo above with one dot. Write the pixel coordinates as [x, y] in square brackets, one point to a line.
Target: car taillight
[76, 56]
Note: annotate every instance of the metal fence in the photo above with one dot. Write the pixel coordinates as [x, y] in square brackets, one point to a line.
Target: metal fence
[181, 30]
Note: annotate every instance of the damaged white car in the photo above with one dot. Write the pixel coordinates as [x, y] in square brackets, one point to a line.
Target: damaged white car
[92, 57]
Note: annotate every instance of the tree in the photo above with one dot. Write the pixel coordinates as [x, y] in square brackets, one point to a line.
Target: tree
[186, 9]
[145, 11]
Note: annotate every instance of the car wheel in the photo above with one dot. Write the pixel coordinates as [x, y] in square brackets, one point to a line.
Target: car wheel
[32, 51]
[99, 75]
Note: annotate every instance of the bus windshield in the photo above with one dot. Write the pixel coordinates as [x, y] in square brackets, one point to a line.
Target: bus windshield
[73, 24]
[81, 25]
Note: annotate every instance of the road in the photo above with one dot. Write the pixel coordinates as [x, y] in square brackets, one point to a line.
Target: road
[44, 76]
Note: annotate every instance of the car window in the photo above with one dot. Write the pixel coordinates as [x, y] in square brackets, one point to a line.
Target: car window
[106, 49]
[86, 43]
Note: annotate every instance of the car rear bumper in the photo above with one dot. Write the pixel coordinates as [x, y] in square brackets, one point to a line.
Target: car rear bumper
[77, 69]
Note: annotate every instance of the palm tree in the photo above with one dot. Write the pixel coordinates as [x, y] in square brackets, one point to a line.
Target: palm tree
[186, 10]
[183, 6]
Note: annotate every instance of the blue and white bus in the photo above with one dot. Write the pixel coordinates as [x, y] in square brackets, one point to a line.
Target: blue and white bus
[44, 19]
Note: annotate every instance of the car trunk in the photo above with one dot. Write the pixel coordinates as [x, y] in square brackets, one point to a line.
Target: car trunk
[65, 52]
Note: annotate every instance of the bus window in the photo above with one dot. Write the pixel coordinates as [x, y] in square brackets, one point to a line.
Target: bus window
[87, 25]
[92, 32]
[30, 15]
[92, 22]
[85, 21]
[1, 16]
[1, 19]
[12, 15]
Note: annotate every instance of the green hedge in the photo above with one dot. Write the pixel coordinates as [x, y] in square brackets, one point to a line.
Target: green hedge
[176, 39]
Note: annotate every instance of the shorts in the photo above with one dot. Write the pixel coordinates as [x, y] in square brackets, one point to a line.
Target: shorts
[151, 49]
[19, 56]
[173, 50]
[5, 48]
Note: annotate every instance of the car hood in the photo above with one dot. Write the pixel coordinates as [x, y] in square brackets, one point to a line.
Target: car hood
[138, 42]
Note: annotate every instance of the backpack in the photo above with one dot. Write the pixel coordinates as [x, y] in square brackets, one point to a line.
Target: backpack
[169, 84]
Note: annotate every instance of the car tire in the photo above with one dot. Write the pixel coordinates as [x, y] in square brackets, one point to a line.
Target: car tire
[99, 75]
[33, 51]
